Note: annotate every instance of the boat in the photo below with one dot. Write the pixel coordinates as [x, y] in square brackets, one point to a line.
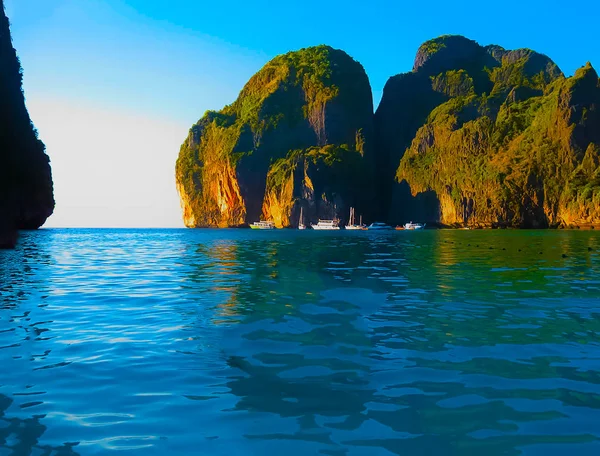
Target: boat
[263, 225]
[414, 226]
[351, 225]
[301, 226]
[326, 225]
[379, 226]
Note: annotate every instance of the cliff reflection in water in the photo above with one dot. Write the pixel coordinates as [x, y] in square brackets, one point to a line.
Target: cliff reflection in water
[237, 342]
[414, 340]
[21, 287]
[20, 437]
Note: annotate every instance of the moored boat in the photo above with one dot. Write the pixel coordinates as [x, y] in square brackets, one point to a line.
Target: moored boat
[351, 223]
[326, 225]
[263, 225]
[379, 226]
[301, 226]
[414, 226]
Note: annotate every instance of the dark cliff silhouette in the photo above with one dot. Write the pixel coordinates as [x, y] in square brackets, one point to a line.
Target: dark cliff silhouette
[26, 193]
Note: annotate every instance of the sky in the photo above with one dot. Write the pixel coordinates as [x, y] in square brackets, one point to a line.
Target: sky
[114, 85]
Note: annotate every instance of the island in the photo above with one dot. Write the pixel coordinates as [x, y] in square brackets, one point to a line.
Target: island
[473, 136]
[300, 135]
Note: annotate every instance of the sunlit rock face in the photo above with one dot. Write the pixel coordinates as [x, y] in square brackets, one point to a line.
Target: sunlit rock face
[478, 136]
[488, 137]
[26, 193]
[300, 134]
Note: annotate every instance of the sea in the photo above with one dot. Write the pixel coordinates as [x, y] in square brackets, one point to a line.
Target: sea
[284, 342]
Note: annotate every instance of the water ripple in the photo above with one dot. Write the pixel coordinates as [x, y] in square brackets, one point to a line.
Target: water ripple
[153, 342]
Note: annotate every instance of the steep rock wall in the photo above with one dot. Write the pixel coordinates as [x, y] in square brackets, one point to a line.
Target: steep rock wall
[26, 191]
[308, 110]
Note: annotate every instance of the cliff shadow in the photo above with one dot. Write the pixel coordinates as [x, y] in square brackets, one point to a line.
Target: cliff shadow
[407, 102]
[404, 207]
[268, 143]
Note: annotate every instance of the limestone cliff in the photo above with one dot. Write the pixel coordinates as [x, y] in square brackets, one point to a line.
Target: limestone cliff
[474, 135]
[299, 135]
[489, 137]
[26, 195]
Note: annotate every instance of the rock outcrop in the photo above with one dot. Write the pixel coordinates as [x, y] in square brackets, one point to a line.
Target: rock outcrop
[474, 135]
[300, 134]
[487, 137]
[26, 192]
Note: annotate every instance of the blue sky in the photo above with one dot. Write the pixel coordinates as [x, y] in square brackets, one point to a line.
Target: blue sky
[114, 85]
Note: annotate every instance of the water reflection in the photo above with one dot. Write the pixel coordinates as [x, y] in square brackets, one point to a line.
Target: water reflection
[450, 343]
[20, 437]
[401, 336]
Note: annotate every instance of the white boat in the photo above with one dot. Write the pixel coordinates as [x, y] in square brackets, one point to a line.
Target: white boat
[378, 226]
[301, 226]
[352, 225]
[326, 225]
[263, 225]
[414, 226]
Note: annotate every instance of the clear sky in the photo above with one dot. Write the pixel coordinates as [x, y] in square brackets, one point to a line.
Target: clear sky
[114, 85]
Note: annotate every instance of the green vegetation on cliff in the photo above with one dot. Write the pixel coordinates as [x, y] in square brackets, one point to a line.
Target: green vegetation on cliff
[309, 110]
[474, 135]
[26, 195]
[504, 139]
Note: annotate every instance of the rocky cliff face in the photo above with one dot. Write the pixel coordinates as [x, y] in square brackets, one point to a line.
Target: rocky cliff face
[26, 196]
[478, 136]
[299, 135]
[489, 137]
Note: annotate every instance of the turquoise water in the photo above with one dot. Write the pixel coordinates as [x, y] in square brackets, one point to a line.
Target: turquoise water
[238, 342]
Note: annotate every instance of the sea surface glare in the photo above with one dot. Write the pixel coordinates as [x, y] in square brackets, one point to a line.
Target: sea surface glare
[242, 342]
